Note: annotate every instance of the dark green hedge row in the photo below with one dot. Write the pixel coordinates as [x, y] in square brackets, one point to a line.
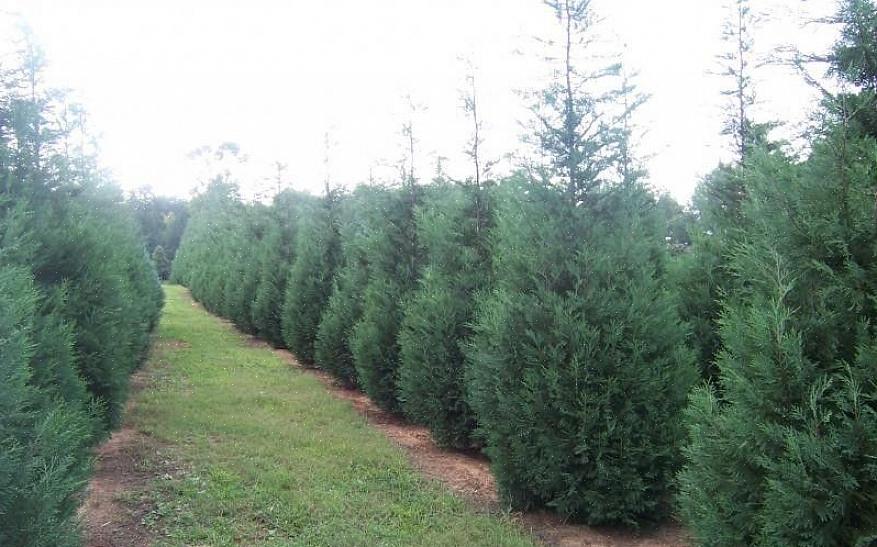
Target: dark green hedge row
[78, 300]
[503, 316]
[538, 318]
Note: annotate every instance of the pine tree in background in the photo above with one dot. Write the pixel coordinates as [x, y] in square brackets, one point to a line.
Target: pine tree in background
[854, 60]
[703, 275]
[578, 369]
[309, 285]
[161, 262]
[162, 220]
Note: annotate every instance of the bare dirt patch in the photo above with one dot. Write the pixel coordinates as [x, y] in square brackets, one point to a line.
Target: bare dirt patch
[110, 516]
[110, 522]
[469, 475]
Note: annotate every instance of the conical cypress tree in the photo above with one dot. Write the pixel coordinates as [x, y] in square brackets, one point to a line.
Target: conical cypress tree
[452, 227]
[310, 279]
[779, 455]
[276, 255]
[393, 257]
[332, 351]
[578, 370]
[578, 367]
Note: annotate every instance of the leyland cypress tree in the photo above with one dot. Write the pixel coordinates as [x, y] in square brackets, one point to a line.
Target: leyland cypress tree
[44, 440]
[203, 254]
[452, 230]
[310, 278]
[78, 298]
[703, 274]
[242, 265]
[275, 257]
[780, 455]
[452, 227]
[332, 348]
[578, 369]
[393, 257]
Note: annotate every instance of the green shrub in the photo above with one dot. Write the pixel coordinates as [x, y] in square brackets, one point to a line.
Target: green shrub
[332, 347]
[275, 257]
[310, 279]
[452, 228]
[578, 369]
[393, 257]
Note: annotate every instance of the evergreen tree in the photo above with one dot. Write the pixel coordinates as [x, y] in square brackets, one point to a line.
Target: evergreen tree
[204, 251]
[242, 265]
[703, 275]
[161, 262]
[162, 220]
[578, 369]
[45, 441]
[393, 259]
[332, 351]
[452, 228]
[311, 276]
[78, 300]
[275, 257]
[780, 456]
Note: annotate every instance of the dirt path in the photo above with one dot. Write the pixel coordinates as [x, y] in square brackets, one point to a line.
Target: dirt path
[107, 520]
[469, 475]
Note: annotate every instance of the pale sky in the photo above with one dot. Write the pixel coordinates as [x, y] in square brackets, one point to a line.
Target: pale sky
[160, 78]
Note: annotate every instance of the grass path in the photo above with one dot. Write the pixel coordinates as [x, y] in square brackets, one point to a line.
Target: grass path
[236, 447]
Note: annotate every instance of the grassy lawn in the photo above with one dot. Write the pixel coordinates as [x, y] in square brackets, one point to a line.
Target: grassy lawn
[265, 456]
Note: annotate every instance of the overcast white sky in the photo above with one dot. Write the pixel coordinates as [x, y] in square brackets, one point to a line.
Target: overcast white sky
[162, 77]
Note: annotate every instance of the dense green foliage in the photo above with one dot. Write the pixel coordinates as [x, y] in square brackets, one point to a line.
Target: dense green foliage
[275, 254]
[78, 300]
[452, 228]
[393, 259]
[782, 442]
[559, 319]
[579, 360]
[343, 310]
[781, 454]
[236, 257]
[310, 280]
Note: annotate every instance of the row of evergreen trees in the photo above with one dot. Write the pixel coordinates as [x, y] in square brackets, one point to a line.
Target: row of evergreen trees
[728, 377]
[78, 300]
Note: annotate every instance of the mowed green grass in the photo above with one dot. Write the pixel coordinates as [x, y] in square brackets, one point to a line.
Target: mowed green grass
[261, 454]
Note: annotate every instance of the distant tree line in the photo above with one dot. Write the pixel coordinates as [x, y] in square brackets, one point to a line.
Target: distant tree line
[78, 300]
[617, 357]
[162, 221]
